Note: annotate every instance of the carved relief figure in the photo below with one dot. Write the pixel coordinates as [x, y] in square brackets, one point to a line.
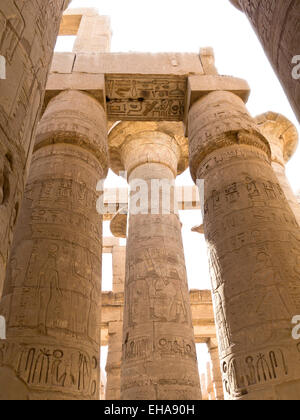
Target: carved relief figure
[48, 287]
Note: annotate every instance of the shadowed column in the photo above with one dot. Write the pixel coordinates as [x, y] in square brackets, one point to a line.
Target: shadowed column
[277, 25]
[159, 355]
[28, 31]
[254, 248]
[52, 292]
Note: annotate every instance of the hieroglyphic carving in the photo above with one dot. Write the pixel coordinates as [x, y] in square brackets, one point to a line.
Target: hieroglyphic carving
[59, 369]
[253, 240]
[158, 329]
[251, 370]
[53, 284]
[27, 37]
[160, 98]
[277, 26]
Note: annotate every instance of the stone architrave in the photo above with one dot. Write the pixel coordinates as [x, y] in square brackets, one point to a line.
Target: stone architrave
[28, 31]
[254, 247]
[282, 136]
[277, 26]
[52, 292]
[159, 354]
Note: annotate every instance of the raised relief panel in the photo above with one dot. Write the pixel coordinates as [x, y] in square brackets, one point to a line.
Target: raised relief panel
[145, 98]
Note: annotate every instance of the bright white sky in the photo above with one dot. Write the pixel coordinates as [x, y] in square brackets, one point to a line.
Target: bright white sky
[185, 26]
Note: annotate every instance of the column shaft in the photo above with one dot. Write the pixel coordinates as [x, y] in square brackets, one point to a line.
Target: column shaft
[282, 136]
[276, 23]
[254, 247]
[52, 292]
[28, 31]
[215, 369]
[159, 354]
[114, 360]
[118, 263]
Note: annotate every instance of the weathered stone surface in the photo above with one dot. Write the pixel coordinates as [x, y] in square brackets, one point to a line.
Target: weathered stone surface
[216, 369]
[247, 219]
[200, 86]
[119, 267]
[277, 25]
[27, 37]
[163, 64]
[62, 63]
[138, 86]
[207, 57]
[201, 308]
[159, 355]
[114, 361]
[118, 224]
[282, 136]
[93, 84]
[52, 292]
[112, 333]
[92, 31]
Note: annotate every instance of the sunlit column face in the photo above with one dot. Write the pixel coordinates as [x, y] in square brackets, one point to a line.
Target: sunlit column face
[52, 292]
[253, 240]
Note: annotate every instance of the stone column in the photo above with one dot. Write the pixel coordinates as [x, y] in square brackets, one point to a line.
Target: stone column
[115, 329]
[159, 353]
[118, 263]
[213, 350]
[254, 247]
[276, 24]
[282, 136]
[28, 32]
[114, 361]
[52, 292]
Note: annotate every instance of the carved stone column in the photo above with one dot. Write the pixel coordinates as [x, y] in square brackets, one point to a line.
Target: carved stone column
[118, 263]
[28, 31]
[276, 24]
[209, 383]
[254, 247]
[115, 329]
[52, 293]
[282, 136]
[213, 350]
[159, 354]
[114, 361]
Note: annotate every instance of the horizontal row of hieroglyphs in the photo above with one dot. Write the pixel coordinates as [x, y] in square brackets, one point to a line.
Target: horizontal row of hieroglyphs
[251, 370]
[138, 97]
[73, 370]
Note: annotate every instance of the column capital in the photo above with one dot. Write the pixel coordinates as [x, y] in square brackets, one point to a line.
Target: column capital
[132, 144]
[219, 120]
[76, 118]
[281, 134]
[118, 224]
